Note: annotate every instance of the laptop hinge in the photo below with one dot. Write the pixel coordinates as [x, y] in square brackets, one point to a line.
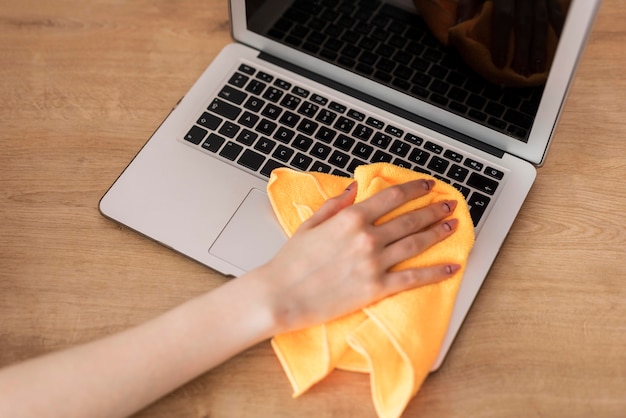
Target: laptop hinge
[473, 142]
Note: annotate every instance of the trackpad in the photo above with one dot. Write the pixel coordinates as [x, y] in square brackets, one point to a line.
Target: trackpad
[252, 236]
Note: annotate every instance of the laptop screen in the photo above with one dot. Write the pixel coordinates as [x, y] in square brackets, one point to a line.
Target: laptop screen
[389, 43]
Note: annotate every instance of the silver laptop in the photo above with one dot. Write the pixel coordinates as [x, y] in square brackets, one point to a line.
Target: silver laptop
[327, 85]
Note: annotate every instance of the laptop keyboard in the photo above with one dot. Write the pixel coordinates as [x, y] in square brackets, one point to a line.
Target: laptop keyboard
[260, 121]
[394, 47]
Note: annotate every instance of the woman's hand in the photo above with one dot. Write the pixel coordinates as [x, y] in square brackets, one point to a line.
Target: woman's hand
[528, 20]
[339, 260]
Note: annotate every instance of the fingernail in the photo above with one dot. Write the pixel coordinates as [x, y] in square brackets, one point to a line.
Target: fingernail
[452, 268]
[350, 187]
[449, 206]
[428, 184]
[450, 225]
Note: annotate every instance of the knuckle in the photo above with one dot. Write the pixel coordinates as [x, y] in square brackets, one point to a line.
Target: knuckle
[367, 243]
[354, 218]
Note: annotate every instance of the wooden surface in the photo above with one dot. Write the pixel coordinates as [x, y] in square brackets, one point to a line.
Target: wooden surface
[84, 83]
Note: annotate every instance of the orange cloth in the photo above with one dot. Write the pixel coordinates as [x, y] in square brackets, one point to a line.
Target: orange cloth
[397, 339]
[472, 40]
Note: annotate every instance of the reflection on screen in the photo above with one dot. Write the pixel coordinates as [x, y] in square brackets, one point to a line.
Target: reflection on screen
[393, 46]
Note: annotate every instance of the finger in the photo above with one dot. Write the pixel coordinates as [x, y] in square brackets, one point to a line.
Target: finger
[331, 207]
[417, 243]
[399, 281]
[523, 35]
[537, 59]
[415, 221]
[390, 198]
[501, 25]
[467, 9]
[556, 16]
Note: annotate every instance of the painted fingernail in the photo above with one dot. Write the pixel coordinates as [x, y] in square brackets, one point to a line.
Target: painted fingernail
[428, 184]
[350, 186]
[449, 206]
[452, 268]
[450, 225]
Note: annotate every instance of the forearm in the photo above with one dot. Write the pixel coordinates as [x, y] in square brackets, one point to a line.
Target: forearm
[122, 373]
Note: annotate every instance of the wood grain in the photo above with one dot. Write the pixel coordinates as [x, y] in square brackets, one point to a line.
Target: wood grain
[84, 84]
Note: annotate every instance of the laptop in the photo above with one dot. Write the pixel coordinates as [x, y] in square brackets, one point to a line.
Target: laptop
[327, 85]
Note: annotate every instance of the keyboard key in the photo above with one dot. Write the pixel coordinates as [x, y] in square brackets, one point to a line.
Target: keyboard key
[301, 161]
[326, 116]
[492, 172]
[299, 91]
[340, 173]
[344, 142]
[400, 148]
[419, 156]
[356, 115]
[247, 137]
[308, 109]
[482, 183]
[401, 163]
[231, 150]
[363, 132]
[251, 159]
[325, 134]
[264, 77]
[291, 102]
[320, 150]
[285, 85]
[248, 119]
[354, 164]
[414, 139]
[319, 99]
[256, 87]
[271, 111]
[307, 126]
[381, 157]
[458, 173]
[283, 153]
[269, 166]
[453, 155]
[375, 123]
[477, 205]
[195, 135]
[284, 135]
[229, 129]
[303, 143]
[438, 164]
[381, 140]
[213, 143]
[339, 108]
[362, 150]
[344, 124]
[265, 145]
[209, 121]
[339, 159]
[266, 127]
[290, 119]
[465, 191]
[224, 109]
[253, 103]
[430, 146]
[393, 131]
[320, 167]
[475, 165]
[232, 95]
[244, 68]
[273, 94]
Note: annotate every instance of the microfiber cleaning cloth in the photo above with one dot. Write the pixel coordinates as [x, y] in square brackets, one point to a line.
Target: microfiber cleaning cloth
[395, 340]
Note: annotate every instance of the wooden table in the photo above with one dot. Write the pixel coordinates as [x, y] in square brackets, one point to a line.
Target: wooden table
[84, 83]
